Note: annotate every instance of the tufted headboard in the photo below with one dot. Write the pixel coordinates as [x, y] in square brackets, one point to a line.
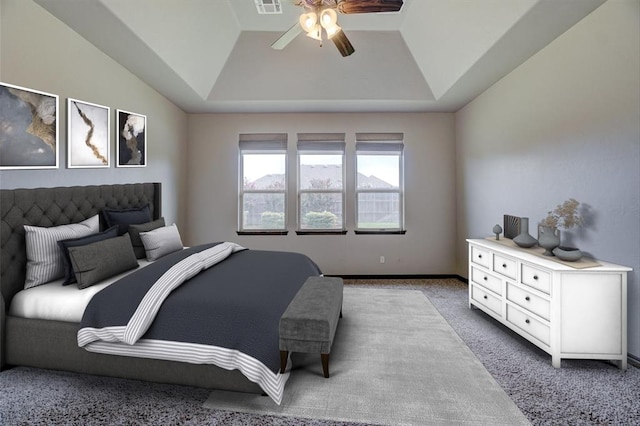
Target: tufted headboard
[53, 207]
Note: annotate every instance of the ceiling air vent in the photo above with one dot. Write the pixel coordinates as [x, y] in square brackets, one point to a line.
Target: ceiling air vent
[268, 7]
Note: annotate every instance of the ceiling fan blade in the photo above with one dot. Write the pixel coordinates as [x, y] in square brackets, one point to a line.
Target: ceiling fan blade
[287, 37]
[369, 6]
[342, 43]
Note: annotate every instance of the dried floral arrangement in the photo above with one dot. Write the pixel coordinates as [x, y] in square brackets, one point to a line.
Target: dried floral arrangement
[565, 215]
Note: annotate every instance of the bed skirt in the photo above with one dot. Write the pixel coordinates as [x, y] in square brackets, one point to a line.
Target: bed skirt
[53, 345]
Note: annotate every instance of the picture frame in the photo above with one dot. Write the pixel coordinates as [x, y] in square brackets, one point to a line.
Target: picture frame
[131, 140]
[29, 132]
[88, 135]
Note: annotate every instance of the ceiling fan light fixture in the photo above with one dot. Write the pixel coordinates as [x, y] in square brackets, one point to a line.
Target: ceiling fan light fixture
[328, 18]
[331, 31]
[308, 21]
[329, 21]
[315, 33]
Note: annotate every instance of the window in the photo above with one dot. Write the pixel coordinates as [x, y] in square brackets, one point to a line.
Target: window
[379, 183]
[263, 183]
[321, 182]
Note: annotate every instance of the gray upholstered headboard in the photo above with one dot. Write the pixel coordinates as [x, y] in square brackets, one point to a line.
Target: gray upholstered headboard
[58, 206]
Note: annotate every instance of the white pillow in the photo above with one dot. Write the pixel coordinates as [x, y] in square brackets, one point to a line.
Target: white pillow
[161, 241]
[45, 260]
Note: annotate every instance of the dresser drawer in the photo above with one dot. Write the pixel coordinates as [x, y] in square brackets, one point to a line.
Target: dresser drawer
[536, 278]
[481, 257]
[529, 325]
[490, 282]
[485, 298]
[505, 266]
[529, 301]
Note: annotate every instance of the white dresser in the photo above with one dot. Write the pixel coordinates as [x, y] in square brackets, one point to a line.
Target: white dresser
[567, 312]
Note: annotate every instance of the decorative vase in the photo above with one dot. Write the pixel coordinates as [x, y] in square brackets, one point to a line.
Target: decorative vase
[524, 239]
[549, 239]
[497, 230]
[569, 254]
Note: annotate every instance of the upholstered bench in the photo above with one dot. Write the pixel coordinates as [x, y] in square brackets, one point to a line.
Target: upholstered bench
[309, 322]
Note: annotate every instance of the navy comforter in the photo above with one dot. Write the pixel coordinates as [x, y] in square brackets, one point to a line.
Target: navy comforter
[235, 304]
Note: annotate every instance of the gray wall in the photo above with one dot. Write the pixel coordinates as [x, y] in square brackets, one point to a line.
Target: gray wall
[39, 52]
[564, 124]
[429, 244]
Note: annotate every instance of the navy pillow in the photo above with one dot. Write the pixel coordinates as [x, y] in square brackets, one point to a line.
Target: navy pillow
[125, 217]
[69, 275]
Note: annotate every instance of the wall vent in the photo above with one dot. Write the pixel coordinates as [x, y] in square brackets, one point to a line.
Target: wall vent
[268, 7]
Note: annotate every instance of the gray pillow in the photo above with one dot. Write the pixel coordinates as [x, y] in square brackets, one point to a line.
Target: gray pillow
[101, 260]
[134, 233]
[161, 241]
[69, 276]
[45, 261]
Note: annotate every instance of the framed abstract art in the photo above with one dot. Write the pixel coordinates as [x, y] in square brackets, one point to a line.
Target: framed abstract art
[131, 140]
[28, 128]
[88, 134]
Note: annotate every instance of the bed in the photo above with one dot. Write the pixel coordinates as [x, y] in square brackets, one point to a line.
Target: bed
[53, 344]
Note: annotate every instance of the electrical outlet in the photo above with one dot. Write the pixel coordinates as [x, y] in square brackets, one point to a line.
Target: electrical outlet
[381, 259]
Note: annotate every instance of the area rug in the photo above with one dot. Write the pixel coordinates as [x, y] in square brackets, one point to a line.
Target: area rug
[394, 361]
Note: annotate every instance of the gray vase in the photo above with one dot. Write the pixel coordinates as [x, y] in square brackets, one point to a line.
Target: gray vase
[549, 238]
[567, 253]
[524, 239]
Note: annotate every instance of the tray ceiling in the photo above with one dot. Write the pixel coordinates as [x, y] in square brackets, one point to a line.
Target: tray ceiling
[215, 55]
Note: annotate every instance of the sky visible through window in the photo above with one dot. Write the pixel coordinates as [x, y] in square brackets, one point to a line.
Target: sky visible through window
[384, 167]
[258, 165]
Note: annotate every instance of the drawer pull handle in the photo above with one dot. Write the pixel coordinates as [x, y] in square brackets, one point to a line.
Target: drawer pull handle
[527, 298]
[527, 321]
[504, 265]
[479, 256]
[485, 297]
[535, 277]
[485, 278]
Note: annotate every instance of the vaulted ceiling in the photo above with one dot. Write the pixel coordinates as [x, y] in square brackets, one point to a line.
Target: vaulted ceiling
[215, 55]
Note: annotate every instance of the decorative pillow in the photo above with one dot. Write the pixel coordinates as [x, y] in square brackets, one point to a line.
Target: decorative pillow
[103, 259]
[161, 241]
[125, 217]
[45, 261]
[134, 233]
[69, 275]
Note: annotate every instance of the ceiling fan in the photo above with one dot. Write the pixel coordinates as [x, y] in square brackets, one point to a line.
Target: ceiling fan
[322, 15]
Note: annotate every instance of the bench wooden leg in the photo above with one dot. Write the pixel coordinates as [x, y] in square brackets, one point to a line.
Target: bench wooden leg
[284, 355]
[325, 364]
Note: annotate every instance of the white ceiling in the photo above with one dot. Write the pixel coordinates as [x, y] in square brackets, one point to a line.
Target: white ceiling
[215, 55]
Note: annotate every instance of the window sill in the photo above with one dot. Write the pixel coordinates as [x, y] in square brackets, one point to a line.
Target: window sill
[262, 232]
[324, 232]
[378, 232]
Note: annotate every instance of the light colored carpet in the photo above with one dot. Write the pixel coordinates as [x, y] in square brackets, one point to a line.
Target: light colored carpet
[394, 361]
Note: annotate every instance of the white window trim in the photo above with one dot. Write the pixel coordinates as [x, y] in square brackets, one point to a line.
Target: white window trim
[266, 144]
[381, 144]
[321, 144]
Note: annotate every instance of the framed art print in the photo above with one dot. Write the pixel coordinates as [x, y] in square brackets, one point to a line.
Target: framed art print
[131, 143]
[88, 134]
[28, 128]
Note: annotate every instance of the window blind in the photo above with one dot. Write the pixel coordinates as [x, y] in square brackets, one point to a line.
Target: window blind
[333, 142]
[263, 141]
